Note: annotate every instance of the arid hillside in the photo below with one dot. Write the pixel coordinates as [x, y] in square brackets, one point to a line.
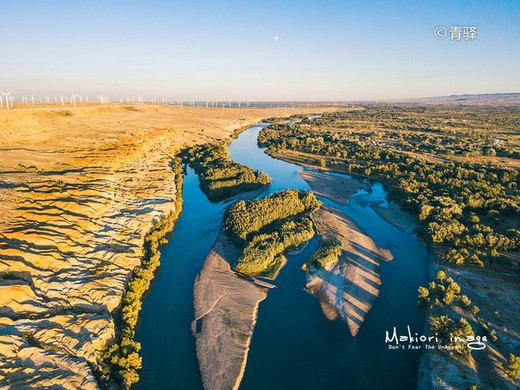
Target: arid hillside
[79, 190]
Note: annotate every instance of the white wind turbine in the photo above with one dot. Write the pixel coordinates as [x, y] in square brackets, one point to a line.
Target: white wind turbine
[140, 100]
[73, 100]
[8, 100]
[62, 101]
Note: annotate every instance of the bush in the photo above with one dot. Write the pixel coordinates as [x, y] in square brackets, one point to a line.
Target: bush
[328, 252]
[512, 367]
[474, 310]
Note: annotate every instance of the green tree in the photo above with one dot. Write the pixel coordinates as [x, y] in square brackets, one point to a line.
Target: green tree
[512, 367]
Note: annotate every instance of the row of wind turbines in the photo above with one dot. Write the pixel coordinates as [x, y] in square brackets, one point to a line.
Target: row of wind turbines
[7, 101]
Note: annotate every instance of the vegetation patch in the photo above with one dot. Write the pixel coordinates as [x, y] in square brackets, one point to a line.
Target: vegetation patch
[245, 219]
[327, 253]
[265, 228]
[219, 177]
[263, 253]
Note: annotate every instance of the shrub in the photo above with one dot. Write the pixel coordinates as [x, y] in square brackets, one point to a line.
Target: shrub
[512, 367]
[327, 253]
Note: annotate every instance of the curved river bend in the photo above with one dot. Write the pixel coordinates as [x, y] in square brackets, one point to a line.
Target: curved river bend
[294, 346]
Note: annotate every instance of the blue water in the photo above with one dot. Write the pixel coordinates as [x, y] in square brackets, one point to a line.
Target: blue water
[294, 346]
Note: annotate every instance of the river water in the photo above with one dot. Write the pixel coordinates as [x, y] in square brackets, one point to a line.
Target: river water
[294, 346]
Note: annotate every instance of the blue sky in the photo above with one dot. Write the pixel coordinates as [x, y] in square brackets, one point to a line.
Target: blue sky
[221, 50]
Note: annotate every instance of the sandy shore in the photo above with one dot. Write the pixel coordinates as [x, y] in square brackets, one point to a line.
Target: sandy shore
[226, 308]
[397, 218]
[339, 189]
[348, 287]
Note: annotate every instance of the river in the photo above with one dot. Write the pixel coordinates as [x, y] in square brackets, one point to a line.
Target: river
[294, 346]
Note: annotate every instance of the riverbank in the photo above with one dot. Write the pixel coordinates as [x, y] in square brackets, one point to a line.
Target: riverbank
[339, 189]
[79, 191]
[396, 217]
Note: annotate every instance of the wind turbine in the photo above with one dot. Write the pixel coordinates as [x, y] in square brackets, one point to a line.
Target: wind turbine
[73, 100]
[8, 100]
[62, 97]
[140, 99]
[32, 99]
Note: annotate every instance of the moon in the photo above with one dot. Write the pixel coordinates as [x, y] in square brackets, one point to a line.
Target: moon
[276, 38]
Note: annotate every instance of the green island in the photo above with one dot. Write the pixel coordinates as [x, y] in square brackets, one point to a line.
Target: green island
[266, 227]
[221, 178]
[327, 253]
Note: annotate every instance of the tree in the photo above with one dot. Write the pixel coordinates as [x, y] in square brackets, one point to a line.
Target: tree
[465, 301]
[474, 310]
[512, 367]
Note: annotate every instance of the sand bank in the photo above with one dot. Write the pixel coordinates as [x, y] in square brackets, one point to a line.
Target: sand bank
[339, 189]
[226, 307]
[397, 218]
[348, 287]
